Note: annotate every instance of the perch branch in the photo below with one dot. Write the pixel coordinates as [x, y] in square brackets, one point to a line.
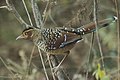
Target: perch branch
[43, 64]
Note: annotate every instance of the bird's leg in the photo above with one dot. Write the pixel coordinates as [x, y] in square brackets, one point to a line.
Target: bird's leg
[58, 66]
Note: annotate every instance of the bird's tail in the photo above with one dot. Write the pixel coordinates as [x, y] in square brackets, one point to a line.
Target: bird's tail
[91, 27]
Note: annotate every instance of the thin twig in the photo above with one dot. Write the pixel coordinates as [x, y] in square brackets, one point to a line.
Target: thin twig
[51, 68]
[30, 60]
[51, 18]
[90, 50]
[82, 17]
[118, 34]
[43, 64]
[59, 73]
[37, 15]
[29, 18]
[7, 67]
[12, 9]
[31, 56]
[48, 13]
[97, 35]
[8, 77]
[27, 13]
[39, 23]
[105, 57]
[45, 13]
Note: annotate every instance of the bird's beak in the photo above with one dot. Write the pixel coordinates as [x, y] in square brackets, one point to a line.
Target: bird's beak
[20, 37]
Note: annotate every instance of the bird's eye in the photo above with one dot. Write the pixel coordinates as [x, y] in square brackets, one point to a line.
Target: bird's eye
[26, 33]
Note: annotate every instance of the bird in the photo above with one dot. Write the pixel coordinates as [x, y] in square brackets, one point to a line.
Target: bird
[60, 40]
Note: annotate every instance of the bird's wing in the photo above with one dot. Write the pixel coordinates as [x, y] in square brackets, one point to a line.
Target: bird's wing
[56, 39]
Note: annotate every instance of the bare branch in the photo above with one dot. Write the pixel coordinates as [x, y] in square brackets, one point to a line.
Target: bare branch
[82, 17]
[43, 64]
[39, 23]
[60, 74]
[10, 7]
[96, 24]
[118, 34]
[37, 15]
[50, 64]
[7, 67]
[90, 50]
[27, 13]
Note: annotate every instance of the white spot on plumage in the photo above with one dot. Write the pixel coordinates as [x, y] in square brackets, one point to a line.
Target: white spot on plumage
[54, 42]
[54, 48]
[58, 36]
[115, 18]
[84, 29]
[81, 30]
[83, 33]
[73, 30]
[89, 29]
[78, 30]
[65, 28]
[48, 47]
[65, 37]
[78, 41]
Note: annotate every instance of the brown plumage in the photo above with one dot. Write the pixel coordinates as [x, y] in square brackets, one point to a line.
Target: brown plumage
[60, 40]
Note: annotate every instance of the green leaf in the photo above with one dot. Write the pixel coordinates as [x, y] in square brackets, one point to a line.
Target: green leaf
[100, 74]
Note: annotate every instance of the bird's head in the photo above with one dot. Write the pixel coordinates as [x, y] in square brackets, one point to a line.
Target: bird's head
[27, 34]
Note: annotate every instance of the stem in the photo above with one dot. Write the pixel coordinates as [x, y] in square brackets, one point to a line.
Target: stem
[97, 34]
